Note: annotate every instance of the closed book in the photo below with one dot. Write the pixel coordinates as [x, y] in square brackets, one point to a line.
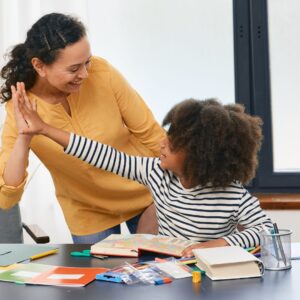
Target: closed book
[131, 245]
[231, 262]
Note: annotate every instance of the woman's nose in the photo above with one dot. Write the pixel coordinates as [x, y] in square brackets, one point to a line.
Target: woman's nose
[83, 72]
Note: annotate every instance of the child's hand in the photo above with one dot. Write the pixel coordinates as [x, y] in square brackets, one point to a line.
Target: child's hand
[33, 122]
[187, 252]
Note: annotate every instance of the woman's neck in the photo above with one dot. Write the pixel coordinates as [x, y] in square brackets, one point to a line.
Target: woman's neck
[48, 93]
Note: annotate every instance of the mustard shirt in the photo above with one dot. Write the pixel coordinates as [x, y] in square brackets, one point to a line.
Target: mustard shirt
[106, 109]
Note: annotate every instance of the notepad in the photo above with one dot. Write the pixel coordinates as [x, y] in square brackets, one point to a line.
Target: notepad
[231, 262]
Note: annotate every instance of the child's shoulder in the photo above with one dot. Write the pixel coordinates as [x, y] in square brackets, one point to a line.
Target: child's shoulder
[236, 186]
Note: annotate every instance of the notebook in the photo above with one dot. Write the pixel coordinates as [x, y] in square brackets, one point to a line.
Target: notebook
[231, 262]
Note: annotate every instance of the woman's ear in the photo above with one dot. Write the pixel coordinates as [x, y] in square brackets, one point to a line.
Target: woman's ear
[39, 66]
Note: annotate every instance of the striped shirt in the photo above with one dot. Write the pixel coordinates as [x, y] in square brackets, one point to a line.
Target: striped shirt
[198, 214]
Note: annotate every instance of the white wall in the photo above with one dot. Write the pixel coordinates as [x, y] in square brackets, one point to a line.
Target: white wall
[287, 219]
[169, 50]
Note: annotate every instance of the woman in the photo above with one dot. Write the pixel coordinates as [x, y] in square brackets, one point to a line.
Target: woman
[84, 94]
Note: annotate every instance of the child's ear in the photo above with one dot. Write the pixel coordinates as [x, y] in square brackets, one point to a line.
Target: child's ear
[38, 66]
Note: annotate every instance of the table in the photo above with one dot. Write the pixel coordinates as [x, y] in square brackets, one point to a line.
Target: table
[275, 285]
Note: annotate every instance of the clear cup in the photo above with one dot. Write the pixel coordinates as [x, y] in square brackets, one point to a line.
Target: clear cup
[276, 249]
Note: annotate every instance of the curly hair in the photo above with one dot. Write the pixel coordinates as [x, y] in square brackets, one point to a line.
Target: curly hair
[221, 142]
[44, 40]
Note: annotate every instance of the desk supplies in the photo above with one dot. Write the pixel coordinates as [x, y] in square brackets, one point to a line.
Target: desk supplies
[255, 250]
[196, 277]
[132, 245]
[111, 276]
[123, 273]
[230, 262]
[276, 249]
[15, 253]
[149, 274]
[86, 253]
[280, 244]
[162, 280]
[174, 269]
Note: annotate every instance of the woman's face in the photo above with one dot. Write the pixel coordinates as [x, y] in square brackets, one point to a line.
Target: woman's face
[69, 70]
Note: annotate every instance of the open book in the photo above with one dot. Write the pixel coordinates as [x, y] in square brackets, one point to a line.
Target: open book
[132, 244]
[231, 262]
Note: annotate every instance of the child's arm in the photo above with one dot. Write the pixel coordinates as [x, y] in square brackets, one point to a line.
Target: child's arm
[187, 252]
[253, 219]
[93, 152]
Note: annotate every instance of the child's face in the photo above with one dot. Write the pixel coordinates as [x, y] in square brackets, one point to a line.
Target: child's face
[169, 160]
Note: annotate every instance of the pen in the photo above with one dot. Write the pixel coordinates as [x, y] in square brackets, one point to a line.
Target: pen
[280, 244]
[7, 252]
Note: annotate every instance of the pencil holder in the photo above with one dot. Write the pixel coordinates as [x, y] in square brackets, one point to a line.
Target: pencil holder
[276, 249]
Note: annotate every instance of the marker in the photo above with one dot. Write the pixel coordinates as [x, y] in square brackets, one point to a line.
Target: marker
[163, 280]
[255, 250]
[249, 249]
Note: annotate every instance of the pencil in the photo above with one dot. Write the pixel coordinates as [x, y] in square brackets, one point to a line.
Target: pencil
[43, 254]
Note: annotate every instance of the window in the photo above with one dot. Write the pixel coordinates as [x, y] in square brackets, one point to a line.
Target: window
[270, 94]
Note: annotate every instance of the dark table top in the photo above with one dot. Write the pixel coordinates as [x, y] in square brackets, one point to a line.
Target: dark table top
[281, 285]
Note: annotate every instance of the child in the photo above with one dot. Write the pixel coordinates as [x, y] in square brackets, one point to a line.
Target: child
[209, 152]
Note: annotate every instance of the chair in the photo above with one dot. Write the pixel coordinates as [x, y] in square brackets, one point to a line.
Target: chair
[11, 228]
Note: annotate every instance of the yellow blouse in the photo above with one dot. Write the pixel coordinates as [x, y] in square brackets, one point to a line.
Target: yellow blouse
[106, 109]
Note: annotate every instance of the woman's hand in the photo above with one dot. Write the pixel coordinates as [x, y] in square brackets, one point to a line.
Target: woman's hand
[187, 252]
[16, 98]
[27, 118]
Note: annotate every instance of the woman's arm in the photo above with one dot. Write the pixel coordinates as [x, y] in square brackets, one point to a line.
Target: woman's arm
[15, 168]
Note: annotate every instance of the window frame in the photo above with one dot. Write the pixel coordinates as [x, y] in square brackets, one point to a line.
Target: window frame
[252, 88]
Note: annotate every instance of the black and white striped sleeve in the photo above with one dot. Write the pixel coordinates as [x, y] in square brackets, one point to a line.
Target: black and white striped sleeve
[108, 158]
[252, 218]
